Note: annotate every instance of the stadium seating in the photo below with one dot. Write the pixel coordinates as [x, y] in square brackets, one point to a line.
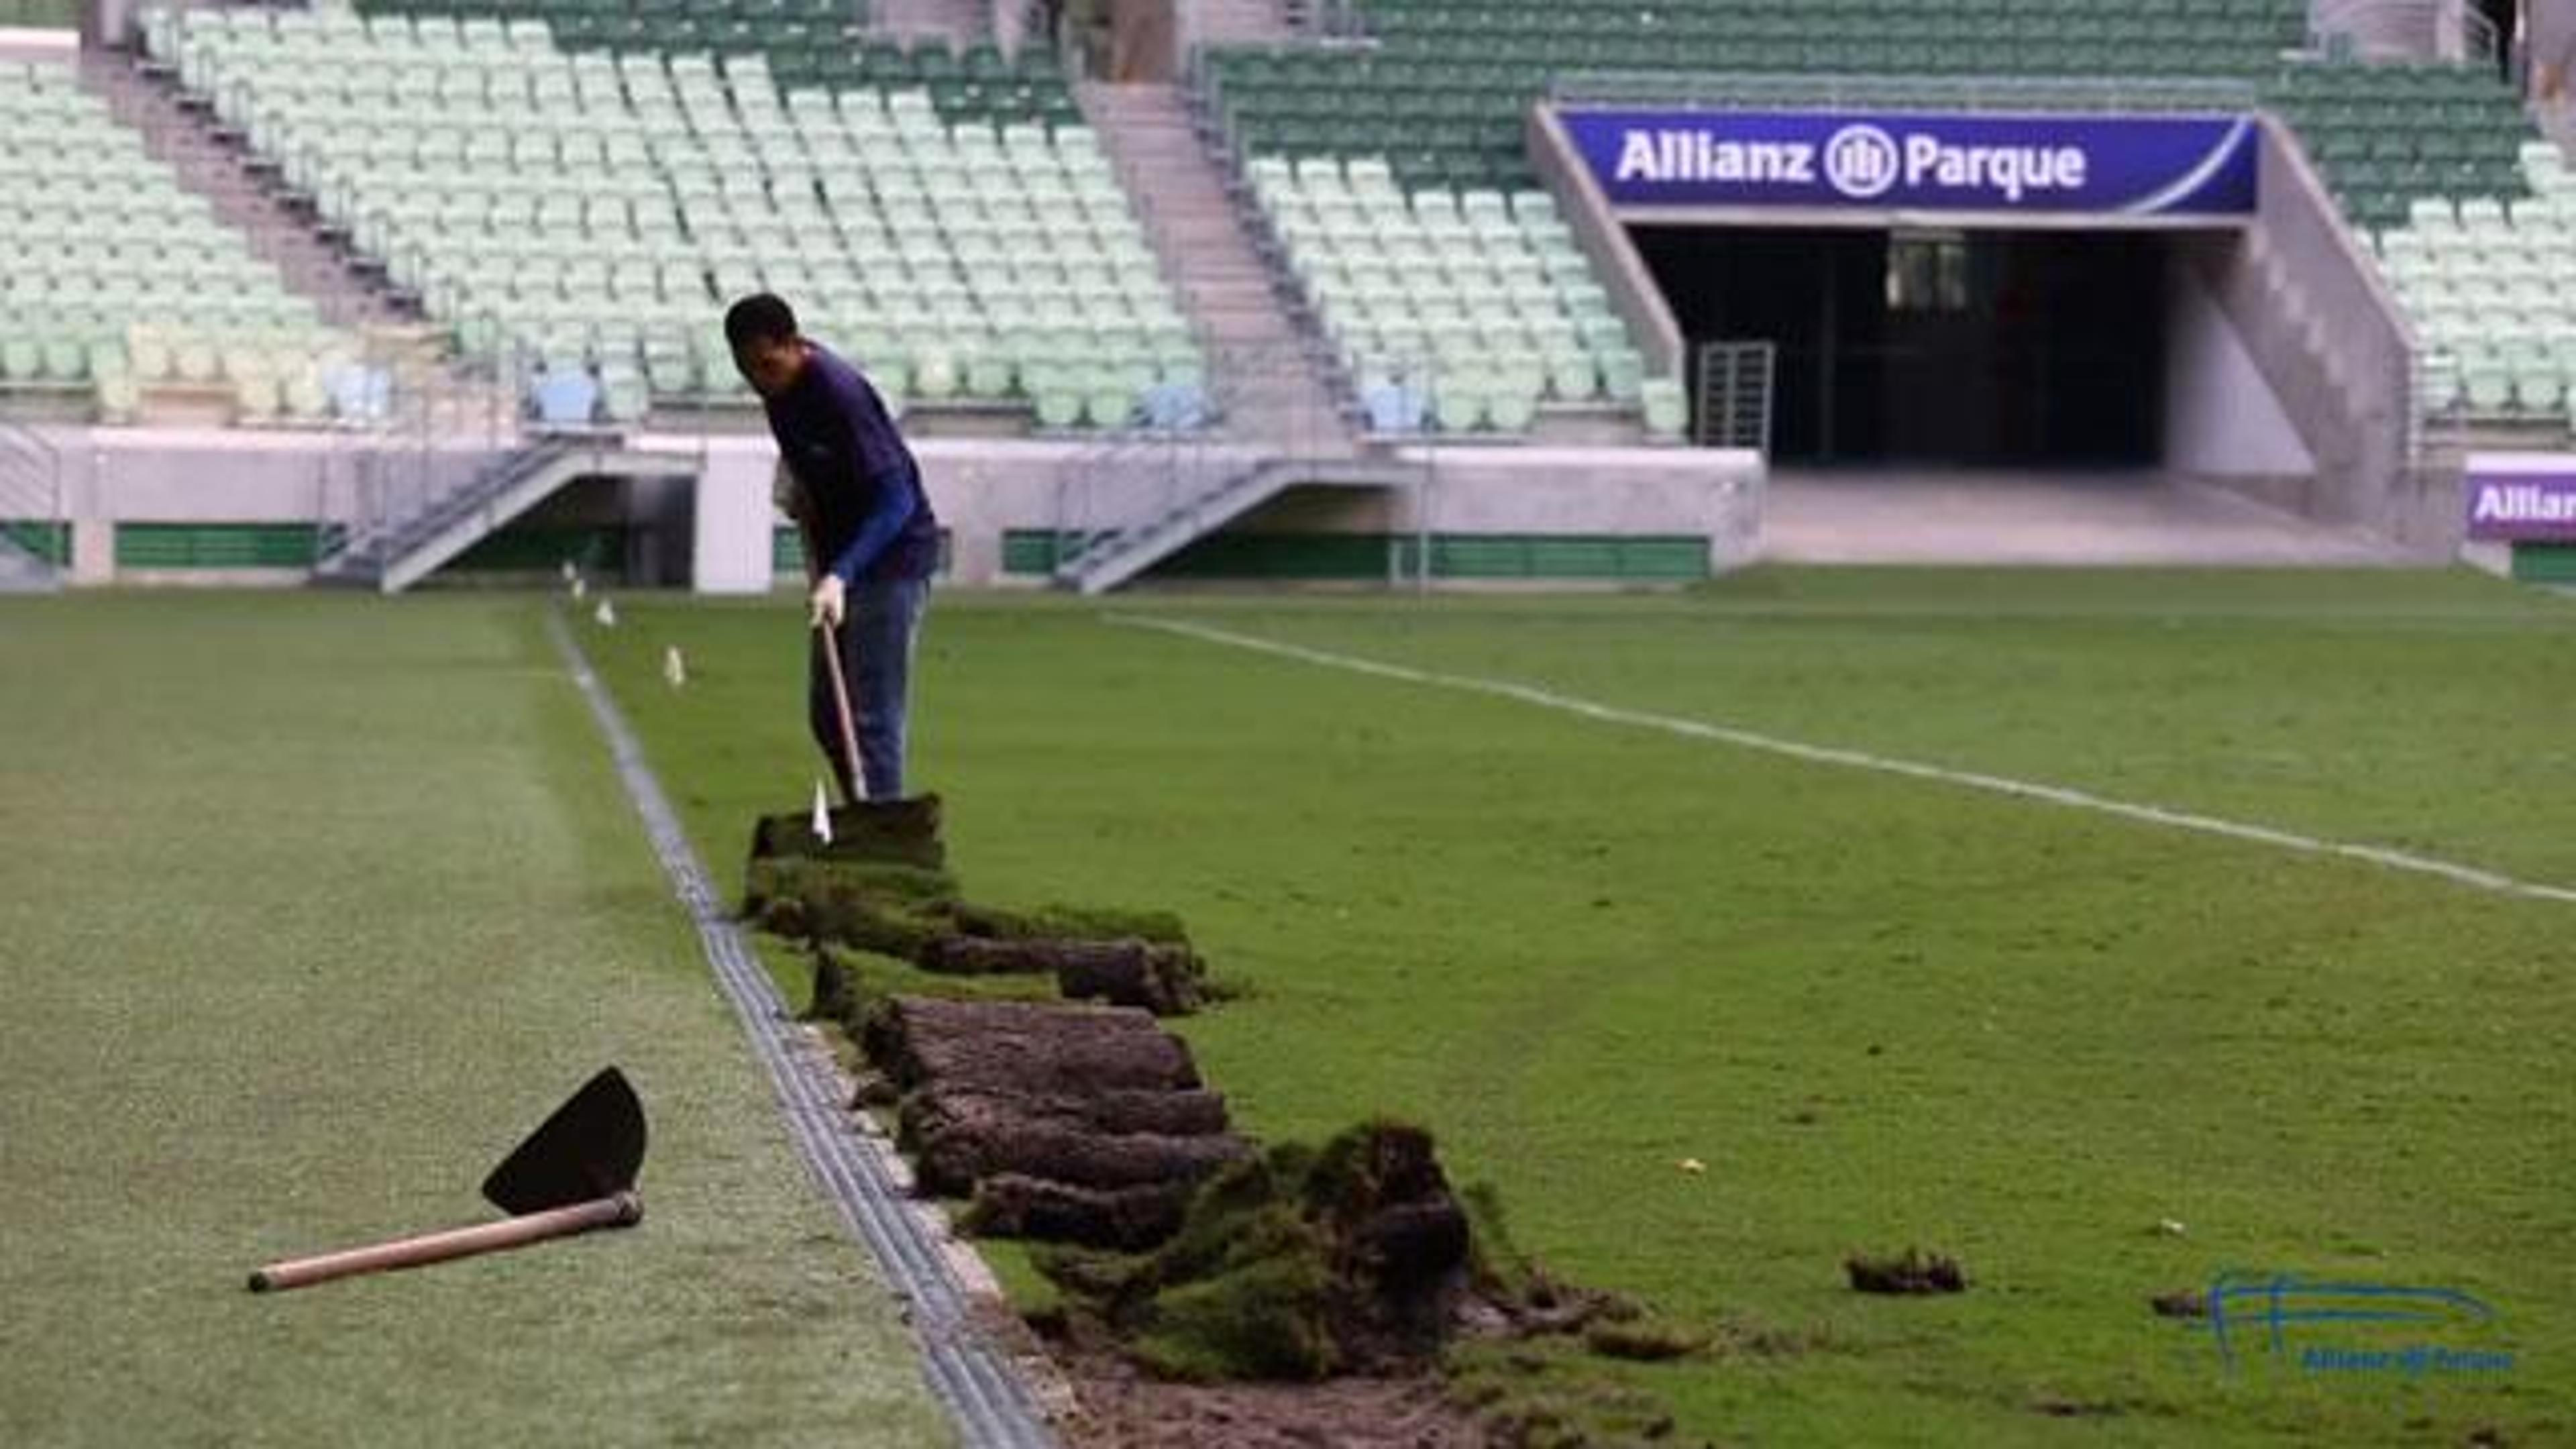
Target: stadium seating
[964, 239]
[114, 280]
[2474, 221]
[1441, 97]
[2436, 161]
[2486, 282]
[1481, 301]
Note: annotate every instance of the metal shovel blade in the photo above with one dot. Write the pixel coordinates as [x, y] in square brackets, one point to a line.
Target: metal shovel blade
[590, 1148]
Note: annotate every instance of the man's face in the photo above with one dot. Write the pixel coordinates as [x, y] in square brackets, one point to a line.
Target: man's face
[770, 364]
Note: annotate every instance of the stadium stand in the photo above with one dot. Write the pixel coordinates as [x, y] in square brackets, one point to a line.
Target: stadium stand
[113, 280]
[1370, 164]
[39, 14]
[1477, 299]
[2474, 221]
[942, 215]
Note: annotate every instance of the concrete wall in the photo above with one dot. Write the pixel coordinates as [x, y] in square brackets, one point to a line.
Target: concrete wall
[1604, 240]
[721, 525]
[2320, 325]
[2221, 418]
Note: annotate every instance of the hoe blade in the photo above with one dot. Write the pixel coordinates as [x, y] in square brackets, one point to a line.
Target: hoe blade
[590, 1148]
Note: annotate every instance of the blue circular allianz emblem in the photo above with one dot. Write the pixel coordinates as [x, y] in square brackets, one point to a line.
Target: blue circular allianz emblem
[1860, 161]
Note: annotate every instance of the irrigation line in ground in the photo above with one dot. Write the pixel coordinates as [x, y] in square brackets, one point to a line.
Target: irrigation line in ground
[971, 1377]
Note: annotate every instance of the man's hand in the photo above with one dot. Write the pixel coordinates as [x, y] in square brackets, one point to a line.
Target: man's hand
[830, 601]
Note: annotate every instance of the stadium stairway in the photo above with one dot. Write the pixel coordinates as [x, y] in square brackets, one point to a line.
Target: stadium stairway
[1240, 22]
[960, 22]
[1262, 370]
[1281, 424]
[402, 549]
[221, 172]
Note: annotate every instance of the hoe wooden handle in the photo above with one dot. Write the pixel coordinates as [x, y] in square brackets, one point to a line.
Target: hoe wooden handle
[607, 1212]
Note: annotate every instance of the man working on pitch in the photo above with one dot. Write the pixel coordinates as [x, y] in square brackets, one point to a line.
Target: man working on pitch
[855, 492]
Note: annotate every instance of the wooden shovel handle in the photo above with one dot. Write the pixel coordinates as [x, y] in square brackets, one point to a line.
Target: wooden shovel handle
[606, 1212]
[841, 701]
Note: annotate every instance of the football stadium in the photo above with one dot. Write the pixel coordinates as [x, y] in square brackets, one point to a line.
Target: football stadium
[1254, 723]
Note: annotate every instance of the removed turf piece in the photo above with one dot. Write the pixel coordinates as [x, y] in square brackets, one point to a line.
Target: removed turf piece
[954, 1159]
[936, 1109]
[1029, 1047]
[775, 878]
[1297, 1264]
[902, 832]
[1062, 922]
[1067, 1123]
[1122, 1219]
[1164, 979]
[1914, 1271]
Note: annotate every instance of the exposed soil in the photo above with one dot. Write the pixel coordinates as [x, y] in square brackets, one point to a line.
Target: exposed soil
[1913, 1271]
[1124, 1409]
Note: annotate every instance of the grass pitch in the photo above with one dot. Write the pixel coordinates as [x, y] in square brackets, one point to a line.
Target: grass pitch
[1882, 1012]
[310, 908]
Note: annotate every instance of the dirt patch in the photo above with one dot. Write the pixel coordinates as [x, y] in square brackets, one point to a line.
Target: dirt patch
[1911, 1272]
[1125, 1409]
[2181, 1303]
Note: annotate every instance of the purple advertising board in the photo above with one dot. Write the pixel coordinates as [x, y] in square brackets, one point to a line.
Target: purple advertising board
[2090, 165]
[2528, 498]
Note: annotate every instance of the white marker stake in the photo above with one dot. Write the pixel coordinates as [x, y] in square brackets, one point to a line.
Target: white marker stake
[674, 669]
[580, 586]
[822, 814]
[606, 615]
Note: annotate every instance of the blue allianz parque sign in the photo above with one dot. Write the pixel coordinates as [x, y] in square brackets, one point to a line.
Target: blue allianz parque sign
[2133, 166]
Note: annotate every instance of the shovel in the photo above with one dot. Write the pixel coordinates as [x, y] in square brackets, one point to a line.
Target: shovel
[574, 1173]
[845, 717]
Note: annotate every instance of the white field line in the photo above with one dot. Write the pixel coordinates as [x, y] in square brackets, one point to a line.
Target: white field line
[2157, 815]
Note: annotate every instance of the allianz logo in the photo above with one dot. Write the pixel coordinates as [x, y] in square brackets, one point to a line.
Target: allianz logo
[1861, 161]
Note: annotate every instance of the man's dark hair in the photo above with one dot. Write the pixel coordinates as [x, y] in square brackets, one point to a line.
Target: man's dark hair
[759, 318]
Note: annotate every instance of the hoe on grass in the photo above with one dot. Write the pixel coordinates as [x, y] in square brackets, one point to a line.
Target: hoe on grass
[574, 1173]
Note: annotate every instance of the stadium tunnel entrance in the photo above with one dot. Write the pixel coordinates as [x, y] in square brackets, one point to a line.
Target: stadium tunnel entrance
[1967, 348]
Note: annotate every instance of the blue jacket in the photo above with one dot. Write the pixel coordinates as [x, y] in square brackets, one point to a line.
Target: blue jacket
[871, 520]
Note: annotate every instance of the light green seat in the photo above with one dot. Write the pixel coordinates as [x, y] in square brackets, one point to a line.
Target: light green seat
[1058, 408]
[1665, 408]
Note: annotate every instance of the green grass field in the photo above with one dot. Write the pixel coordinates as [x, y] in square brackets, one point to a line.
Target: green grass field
[1882, 1011]
[310, 908]
[311, 905]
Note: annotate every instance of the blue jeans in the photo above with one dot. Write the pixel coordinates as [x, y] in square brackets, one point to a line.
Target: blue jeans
[876, 661]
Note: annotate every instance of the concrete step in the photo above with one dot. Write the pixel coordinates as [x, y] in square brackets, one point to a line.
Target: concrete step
[1263, 370]
[223, 175]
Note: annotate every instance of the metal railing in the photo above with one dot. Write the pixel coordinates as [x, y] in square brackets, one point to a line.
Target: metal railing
[1735, 392]
[31, 490]
[427, 436]
[1134, 480]
[1774, 90]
